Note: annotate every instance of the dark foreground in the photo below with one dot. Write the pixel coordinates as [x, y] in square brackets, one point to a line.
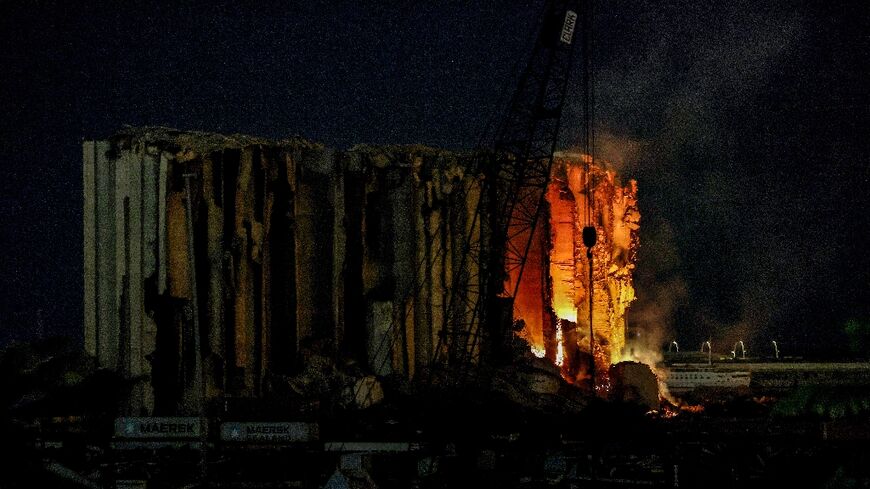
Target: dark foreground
[741, 443]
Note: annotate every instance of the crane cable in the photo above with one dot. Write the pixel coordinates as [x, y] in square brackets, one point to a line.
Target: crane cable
[589, 232]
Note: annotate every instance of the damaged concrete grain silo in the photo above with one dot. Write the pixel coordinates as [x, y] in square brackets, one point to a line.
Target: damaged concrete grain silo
[302, 267]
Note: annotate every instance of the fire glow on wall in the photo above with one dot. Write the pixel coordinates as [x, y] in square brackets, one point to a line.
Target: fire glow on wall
[553, 298]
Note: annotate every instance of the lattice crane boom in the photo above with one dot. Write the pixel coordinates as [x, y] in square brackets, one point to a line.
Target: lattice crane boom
[517, 173]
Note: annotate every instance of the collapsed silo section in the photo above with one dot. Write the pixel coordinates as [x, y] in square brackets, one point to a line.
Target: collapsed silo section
[309, 266]
[260, 212]
[579, 191]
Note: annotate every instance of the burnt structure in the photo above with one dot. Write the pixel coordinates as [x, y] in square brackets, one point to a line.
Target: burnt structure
[554, 294]
[296, 246]
[290, 249]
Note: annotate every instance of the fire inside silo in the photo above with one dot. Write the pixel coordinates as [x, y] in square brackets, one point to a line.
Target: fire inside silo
[553, 296]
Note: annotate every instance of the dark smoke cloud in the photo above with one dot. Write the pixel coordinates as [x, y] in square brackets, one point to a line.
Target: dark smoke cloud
[677, 86]
[661, 289]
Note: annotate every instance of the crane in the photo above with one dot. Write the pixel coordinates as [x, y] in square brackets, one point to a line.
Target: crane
[516, 175]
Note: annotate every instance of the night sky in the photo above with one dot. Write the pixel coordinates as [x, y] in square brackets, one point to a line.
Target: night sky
[745, 123]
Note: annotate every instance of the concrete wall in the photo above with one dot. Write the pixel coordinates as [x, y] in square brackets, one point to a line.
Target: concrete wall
[120, 236]
[298, 250]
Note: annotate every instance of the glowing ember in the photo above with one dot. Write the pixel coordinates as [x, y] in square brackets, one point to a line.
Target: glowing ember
[667, 412]
[692, 408]
[538, 351]
[560, 347]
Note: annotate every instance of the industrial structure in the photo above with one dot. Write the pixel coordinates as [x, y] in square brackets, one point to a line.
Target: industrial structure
[301, 252]
[215, 265]
[295, 246]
